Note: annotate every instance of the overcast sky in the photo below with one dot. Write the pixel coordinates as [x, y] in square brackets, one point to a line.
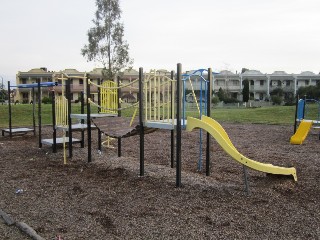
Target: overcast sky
[265, 35]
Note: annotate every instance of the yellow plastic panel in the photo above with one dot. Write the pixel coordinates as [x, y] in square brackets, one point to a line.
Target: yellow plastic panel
[220, 135]
[301, 133]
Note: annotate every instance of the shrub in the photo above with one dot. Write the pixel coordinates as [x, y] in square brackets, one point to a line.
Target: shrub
[215, 100]
[230, 100]
[277, 100]
[46, 100]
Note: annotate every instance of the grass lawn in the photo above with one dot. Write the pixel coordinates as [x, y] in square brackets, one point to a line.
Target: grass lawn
[22, 114]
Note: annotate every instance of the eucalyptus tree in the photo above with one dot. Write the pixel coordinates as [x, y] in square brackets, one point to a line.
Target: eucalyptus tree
[105, 39]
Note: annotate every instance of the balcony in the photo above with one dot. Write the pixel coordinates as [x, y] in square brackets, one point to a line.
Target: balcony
[258, 88]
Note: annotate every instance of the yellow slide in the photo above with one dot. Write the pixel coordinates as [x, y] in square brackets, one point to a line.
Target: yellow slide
[301, 133]
[220, 135]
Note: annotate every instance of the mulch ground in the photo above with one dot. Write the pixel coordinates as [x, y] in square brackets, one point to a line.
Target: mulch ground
[106, 199]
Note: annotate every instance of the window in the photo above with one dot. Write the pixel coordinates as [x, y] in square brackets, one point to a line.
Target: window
[81, 81]
[251, 82]
[287, 83]
[261, 82]
[306, 82]
[23, 80]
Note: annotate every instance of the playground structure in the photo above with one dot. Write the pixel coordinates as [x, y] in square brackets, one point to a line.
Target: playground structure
[161, 106]
[61, 107]
[305, 123]
[24, 130]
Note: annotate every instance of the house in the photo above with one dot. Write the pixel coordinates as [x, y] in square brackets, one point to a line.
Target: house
[260, 87]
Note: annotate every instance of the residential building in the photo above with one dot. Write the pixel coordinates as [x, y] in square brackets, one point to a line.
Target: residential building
[260, 87]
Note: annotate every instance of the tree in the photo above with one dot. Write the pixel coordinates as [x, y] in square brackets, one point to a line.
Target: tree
[3, 93]
[312, 92]
[244, 70]
[222, 95]
[106, 44]
[245, 90]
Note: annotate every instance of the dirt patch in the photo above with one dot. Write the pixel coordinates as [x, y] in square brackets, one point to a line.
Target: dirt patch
[106, 199]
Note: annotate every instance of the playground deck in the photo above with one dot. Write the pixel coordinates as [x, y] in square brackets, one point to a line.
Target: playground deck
[16, 131]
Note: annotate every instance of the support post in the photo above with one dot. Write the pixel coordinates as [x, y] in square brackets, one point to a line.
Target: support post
[39, 113]
[10, 110]
[54, 123]
[209, 96]
[178, 141]
[99, 110]
[88, 119]
[171, 116]
[68, 94]
[141, 121]
[33, 112]
[82, 120]
[119, 113]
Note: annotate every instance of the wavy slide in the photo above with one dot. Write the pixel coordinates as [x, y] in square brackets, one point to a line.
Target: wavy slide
[220, 135]
[301, 133]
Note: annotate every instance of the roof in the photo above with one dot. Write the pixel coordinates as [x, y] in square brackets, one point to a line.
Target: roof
[252, 72]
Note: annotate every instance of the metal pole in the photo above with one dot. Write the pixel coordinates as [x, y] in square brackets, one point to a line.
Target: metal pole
[82, 120]
[178, 149]
[209, 95]
[119, 113]
[141, 121]
[171, 116]
[54, 135]
[99, 110]
[68, 93]
[39, 112]
[10, 110]
[88, 118]
[33, 111]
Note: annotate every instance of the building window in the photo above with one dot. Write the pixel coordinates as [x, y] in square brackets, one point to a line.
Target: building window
[287, 83]
[261, 82]
[80, 81]
[251, 82]
[23, 80]
[235, 83]
[306, 82]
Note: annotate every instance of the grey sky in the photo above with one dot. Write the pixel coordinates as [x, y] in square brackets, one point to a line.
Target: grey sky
[263, 35]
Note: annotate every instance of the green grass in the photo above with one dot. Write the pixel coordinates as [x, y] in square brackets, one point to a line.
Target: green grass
[284, 115]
